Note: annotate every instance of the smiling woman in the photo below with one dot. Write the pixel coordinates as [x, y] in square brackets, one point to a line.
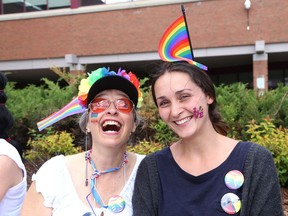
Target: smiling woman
[204, 172]
[99, 181]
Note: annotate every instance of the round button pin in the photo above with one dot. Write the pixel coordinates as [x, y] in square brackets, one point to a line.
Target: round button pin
[231, 203]
[116, 204]
[234, 179]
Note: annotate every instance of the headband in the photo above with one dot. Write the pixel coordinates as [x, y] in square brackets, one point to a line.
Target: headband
[175, 44]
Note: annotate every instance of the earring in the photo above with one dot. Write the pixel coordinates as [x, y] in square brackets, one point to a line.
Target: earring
[86, 158]
[87, 153]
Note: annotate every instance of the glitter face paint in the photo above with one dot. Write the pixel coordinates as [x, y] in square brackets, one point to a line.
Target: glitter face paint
[198, 113]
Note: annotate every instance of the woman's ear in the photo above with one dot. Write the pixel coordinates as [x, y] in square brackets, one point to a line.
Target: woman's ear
[135, 122]
[209, 99]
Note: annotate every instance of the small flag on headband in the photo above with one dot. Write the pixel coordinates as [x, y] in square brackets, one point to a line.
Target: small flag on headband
[72, 108]
[175, 45]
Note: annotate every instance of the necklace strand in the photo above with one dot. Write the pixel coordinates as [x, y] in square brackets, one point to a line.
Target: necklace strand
[97, 194]
[97, 173]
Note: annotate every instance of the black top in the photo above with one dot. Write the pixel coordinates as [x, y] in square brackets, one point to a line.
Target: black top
[196, 195]
[261, 194]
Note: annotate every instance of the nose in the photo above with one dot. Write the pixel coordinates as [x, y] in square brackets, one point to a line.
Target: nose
[112, 109]
[176, 109]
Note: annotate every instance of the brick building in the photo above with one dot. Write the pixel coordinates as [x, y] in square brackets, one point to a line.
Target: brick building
[126, 34]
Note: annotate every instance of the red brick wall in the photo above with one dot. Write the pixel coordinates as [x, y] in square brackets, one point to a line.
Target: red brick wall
[260, 69]
[213, 23]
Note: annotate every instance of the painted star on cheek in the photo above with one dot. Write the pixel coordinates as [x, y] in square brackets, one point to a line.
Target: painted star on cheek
[198, 113]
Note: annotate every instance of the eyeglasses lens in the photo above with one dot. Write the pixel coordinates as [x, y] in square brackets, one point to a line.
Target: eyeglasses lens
[124, 105]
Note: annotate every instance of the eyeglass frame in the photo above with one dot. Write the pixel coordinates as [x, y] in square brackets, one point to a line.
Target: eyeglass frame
[131, 106]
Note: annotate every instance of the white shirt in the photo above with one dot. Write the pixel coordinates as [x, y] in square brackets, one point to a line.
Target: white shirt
[54, 182]
[12, 202]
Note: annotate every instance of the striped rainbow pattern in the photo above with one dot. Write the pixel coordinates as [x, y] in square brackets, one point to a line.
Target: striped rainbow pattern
[174, 44]
[73, 107]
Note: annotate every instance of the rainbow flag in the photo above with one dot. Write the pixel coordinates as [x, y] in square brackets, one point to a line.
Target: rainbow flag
[174, 44]
[72, 108]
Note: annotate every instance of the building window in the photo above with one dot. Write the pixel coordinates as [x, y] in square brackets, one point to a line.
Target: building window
[232, 75]
[12, 6]
[246, 78]
[56, 4]
[20, 6]
[228, 78]
[91, 2]
[35, 5]
[286, 77]
[275, 77]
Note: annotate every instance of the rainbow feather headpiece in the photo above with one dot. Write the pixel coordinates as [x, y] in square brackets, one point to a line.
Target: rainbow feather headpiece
[79, 104]
[175, 46]
[94, 76]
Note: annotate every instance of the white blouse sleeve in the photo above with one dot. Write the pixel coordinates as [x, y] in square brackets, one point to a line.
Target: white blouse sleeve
[49, 180]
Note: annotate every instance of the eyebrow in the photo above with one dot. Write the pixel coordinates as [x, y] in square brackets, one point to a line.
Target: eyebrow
[160, 98]
[177, 93]
[182, 90]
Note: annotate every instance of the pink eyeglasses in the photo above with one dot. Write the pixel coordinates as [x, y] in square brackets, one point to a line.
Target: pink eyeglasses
[99, 105]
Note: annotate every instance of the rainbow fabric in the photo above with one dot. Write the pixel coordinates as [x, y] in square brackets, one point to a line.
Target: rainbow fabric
[72, 108]
[174, 44]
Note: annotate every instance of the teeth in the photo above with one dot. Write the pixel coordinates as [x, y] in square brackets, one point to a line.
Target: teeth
[111, 123]
[111, 126]
[182, 121]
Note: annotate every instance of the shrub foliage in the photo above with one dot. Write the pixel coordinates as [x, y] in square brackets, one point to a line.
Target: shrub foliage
[274, 139]
[43, 147]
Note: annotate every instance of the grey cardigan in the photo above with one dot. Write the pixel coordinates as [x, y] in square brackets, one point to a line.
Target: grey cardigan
[261, 194]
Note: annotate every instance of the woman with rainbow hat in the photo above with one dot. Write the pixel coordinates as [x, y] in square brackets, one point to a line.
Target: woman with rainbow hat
[204, 172]
[99, 181]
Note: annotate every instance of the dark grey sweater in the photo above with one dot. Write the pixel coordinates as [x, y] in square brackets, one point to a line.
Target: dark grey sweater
[261, 194]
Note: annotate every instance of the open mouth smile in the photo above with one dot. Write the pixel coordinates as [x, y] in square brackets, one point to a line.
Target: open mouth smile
[111, 126]
[183, 121]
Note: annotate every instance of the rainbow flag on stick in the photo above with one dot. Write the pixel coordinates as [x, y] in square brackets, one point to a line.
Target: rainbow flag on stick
[73, 107]
[175, 44]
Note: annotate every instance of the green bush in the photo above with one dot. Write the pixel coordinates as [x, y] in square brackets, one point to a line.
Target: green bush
[274, 103]
[43, 147]
[163, 134]
[155, 128]
[144, 147]
[276, 141]
[238, 105]
[33, 103]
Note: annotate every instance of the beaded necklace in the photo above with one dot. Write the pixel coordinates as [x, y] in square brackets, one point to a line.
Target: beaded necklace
[116, 203]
